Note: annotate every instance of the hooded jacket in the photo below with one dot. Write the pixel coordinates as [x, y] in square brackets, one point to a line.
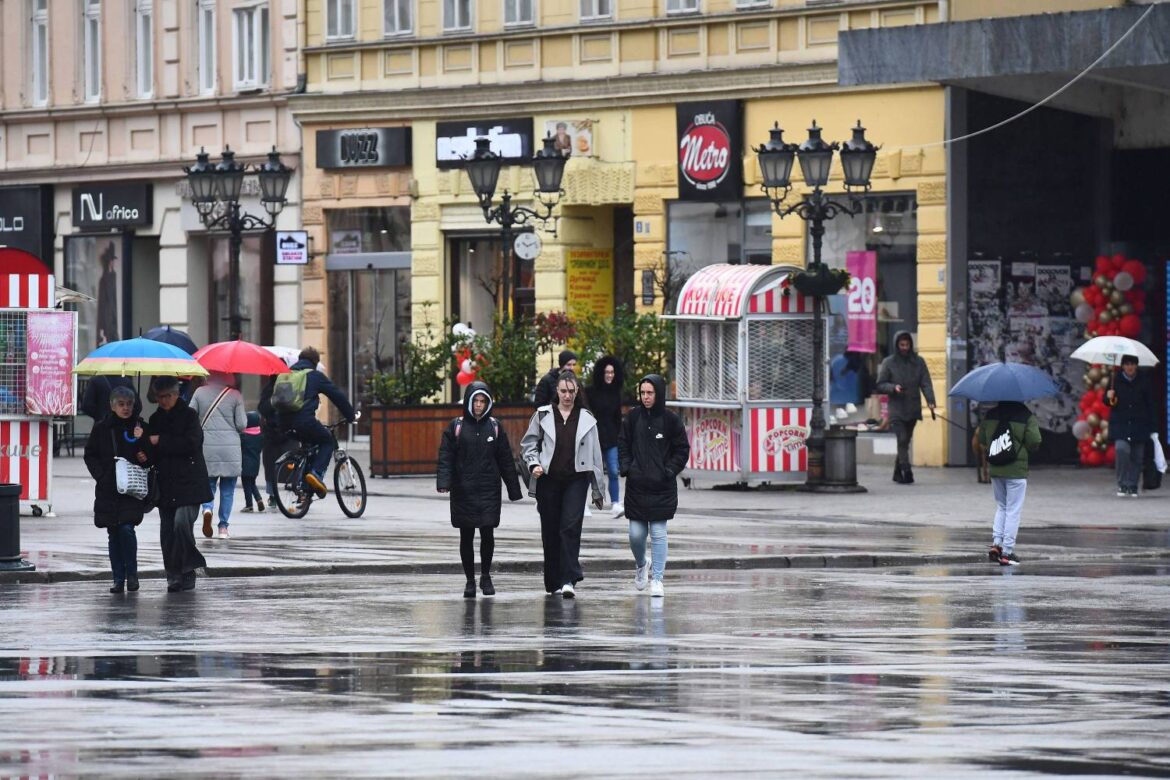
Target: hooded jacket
[911, 373]
[1024, 429]
[652, 450]
[251, 445]
[605, 401]
[110, 437]
[474, 455]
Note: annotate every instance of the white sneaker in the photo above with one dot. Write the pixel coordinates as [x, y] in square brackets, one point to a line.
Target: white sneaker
[642, 575]
[618, 509]
[656, 591]
[567, 591]
[556, 592]
[223, 533]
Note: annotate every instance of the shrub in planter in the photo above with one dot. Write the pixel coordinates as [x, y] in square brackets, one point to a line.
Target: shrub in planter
[643, 342]
[421, 371]
[508, 363]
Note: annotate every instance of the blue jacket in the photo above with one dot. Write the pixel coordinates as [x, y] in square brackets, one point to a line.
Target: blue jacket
[316, 384]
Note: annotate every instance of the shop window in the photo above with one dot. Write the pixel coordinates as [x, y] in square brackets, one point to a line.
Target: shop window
[205, 44]
[95, 266]
[144, 46]
[519, 12]
[91, 45]
[251, 290]
[40, 52]
[250, 43]
[367, 230]
[457, 15]
[701, 234]
[397, 17]
[592, 10]
[682, 6]
[339, 19]
[742, 5]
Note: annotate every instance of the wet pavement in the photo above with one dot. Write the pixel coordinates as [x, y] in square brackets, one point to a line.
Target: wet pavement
[1059, 667]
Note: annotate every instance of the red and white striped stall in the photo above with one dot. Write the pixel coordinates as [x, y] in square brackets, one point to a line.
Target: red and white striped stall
[743, 348]
[37, 348]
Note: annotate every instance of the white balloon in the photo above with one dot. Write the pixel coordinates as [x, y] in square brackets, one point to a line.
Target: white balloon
[1084, 312]
[1081, 429]
[1123, 281]
[466, 366]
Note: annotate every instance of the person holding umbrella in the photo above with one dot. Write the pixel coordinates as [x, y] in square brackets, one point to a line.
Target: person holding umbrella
[1130, 424]
[1008, 434]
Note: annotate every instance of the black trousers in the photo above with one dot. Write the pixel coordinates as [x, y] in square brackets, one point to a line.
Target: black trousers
[561, 504]
[903, 432]
[176, 530]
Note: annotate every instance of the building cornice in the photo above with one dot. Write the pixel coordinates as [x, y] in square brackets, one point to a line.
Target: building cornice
[99, 111]
[158, 171]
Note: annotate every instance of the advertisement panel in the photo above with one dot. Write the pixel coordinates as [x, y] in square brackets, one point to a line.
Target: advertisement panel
[49, 366]
[710, 151]
[861, 301]
[510, 138]
[590, 282]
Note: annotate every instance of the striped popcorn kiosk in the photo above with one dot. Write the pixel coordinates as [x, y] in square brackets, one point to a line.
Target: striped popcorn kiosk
[743, 345]
[37, 348]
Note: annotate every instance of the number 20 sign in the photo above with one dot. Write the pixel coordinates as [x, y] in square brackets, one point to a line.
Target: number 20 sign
[861, 302]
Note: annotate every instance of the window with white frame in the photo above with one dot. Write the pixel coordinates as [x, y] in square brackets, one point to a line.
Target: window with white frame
[519, 12]
[91, 45]
[250, 43]
[596, 9]
[682, 6]
[339, 18]
[40, 52]
[144, 46]
[742, 4]
[456, 15]
[397, 17]
[205, 44]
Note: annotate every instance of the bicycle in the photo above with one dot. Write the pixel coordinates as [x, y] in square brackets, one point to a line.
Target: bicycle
[293, 496]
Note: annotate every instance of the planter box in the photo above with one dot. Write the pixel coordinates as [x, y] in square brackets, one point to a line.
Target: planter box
[404, 440]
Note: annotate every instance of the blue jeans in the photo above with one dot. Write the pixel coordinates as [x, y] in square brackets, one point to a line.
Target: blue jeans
[1009, 501]
[611, 471]
[123, 552]
[227, 494]
[657, 531]
[313, 432]
[1128, 462]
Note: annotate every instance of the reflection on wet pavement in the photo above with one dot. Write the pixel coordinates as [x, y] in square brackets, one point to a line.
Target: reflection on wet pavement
[931, 672]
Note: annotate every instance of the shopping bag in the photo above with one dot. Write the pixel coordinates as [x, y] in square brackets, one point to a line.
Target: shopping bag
[132, 480]
[1159, 455]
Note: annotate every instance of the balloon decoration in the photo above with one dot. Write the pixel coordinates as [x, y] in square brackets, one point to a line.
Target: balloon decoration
[468, 362]
[1112, 305]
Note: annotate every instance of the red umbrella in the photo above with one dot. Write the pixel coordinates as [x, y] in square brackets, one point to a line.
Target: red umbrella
[240, 357]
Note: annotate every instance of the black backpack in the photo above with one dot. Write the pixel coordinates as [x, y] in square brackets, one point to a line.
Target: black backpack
[1003, 449]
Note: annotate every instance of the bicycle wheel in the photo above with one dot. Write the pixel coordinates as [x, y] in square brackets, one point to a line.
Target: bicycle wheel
[292, 498]
[349, 484]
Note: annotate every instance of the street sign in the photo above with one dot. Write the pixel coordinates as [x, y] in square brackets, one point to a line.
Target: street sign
[292, 247]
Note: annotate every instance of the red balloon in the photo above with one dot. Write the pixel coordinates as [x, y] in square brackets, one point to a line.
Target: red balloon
[1095, 458]
[1131, 326]
[1118, 261]
[464, 378]
[1139, 306]
[1103, 264]
[1136, 269]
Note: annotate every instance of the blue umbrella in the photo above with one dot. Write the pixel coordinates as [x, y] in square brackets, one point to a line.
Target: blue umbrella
[137, 357]
[1004, 382]
[168, 335]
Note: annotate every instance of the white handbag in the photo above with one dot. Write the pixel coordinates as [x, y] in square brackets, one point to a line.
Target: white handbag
[1159, 455]
[132, 479]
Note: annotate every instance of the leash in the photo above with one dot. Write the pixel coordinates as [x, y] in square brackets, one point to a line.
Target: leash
[935, 416]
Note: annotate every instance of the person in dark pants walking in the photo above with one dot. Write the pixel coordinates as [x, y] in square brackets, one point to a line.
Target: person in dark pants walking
[563, 455]
[605, 401]
[1131, 422]
[176, 449]
[474, 455]
[902, 376]
[251, 447]
[118, 434]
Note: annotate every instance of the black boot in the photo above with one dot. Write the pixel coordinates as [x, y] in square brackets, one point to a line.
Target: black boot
[907, 475]
[898, 473]
[469, 589]
[485, 584]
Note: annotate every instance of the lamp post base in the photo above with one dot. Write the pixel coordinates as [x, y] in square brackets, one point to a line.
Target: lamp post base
[832, 463]
[825, 487]
[17, 564]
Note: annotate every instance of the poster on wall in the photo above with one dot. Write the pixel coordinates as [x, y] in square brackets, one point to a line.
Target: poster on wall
[710, 150]
[509, 138]
[571, 136]
[590, 282]
[49, 364]
[95, 265]
[861, 301]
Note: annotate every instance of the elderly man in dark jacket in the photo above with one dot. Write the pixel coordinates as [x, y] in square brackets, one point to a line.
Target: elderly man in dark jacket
[902, 376]
[652, 450]
[1130, 423]
[474, 455]
[176, 443]
[303, 423]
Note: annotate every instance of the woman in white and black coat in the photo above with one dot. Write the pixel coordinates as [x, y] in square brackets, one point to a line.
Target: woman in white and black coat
[474, 455]
[117, 434]
[563, 455]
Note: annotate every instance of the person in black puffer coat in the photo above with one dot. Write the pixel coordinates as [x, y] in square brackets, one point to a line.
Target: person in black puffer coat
[1131, 422]
[118, 434]
[605, 399]
[176, 449]
[652, 450]
[474, 456]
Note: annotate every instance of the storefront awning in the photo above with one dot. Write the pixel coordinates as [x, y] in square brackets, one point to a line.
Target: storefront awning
[994, 54]
[723, 291]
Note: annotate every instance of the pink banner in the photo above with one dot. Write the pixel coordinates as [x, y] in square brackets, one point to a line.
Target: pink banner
[49, 375]
[861, 302]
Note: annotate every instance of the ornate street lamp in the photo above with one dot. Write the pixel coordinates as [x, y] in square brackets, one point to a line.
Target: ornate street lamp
[215, 191]
[818, 281]
[483, 170]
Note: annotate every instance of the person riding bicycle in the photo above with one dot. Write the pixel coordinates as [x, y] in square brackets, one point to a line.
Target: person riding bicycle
[295, 398]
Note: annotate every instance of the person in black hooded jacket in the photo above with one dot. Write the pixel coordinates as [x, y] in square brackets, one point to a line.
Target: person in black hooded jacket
[117, 434]
[605, 398]
[652, 450]
[474, 455]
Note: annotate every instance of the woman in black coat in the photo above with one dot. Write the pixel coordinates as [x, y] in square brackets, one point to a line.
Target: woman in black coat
[605, 398]
[117, 434]
[653, 450]
[474, 456]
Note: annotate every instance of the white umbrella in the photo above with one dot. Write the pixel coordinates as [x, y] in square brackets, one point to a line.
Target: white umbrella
[1109, 350]
[290, 355]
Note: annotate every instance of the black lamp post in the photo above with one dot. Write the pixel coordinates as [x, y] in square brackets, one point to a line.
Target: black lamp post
[483, 169]
[816, 158]
[215, 191]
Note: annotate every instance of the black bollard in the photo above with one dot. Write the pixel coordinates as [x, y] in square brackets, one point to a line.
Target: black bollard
[10, 559]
